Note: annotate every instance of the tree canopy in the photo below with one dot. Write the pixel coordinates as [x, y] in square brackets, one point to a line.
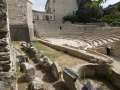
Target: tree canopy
[88, 11]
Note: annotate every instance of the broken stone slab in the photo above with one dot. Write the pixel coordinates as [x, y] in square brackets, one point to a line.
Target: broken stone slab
[37, 58]
[56, 71]
[70, 78]
[89, 84]
[36, 84]
[41, 62]
[27, 68]
[47, 63]
[34, 50]
[22, 58]
[26, 77]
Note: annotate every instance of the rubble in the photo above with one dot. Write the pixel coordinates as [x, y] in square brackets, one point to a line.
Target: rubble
[56, 71]
[27, 68]
[36, 84]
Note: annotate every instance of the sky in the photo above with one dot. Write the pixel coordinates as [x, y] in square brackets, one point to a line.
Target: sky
[40, 4]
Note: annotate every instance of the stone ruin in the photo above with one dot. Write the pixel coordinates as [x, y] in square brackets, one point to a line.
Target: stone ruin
[5, 61]
[75, 78]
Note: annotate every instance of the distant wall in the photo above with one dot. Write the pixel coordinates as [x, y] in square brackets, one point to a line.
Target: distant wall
[114, 49]
[52, 29]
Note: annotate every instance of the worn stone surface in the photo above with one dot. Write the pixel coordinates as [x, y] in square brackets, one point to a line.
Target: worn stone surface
[20, 18]
[56, 71]
[4, 52]
[5, 77]
[36, 84]
[28, 68]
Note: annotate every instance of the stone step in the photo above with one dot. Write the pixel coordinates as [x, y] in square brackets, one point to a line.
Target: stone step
[5, 58]
[4, 54]
[5, 62]
[4, 68]
[4, 49]
[115, 39]
[100, 42]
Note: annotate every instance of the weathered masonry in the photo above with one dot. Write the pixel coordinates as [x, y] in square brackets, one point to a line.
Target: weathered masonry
[21, 21]
[5, 62]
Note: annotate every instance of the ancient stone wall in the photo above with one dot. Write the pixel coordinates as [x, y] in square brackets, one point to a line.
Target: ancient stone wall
[20, 15]
[5, 63]
[4, 47]
[52, 29]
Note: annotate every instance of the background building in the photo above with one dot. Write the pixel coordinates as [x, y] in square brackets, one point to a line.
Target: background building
[42, 16]
[61, 8]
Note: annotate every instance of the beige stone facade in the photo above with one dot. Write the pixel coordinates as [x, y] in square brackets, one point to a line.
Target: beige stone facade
[61, 8]
[42, 16]
[20, 14]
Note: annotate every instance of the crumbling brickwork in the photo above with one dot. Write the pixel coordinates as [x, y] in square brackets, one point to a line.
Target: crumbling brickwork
[5, 61]
[4, 49]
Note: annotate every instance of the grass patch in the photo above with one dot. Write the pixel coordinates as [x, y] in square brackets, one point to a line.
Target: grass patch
[51, 53]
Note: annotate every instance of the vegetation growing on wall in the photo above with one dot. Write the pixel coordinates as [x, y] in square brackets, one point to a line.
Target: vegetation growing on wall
[112, 15]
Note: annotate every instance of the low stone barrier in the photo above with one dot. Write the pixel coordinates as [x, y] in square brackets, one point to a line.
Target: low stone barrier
[92, 71]
[70, 78]
[56, 71]
[36, 84]
[101, 59]
[42, 61]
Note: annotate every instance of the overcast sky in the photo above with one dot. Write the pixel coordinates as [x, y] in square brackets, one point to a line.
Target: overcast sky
[40, 4]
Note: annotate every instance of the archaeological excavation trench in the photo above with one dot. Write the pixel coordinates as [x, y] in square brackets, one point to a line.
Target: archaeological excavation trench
[75, 74]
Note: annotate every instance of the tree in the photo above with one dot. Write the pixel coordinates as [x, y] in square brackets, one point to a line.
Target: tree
[88, 11]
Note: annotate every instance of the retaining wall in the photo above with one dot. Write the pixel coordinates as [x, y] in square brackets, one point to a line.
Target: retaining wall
[52, 29]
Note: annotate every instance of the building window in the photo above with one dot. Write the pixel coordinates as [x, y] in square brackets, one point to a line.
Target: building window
[37, 17]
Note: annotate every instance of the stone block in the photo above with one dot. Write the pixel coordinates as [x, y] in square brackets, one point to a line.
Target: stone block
[56, 71]
[36, 84]
[26, 77]
[70, 78]
[5, 62]
[28, 68]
